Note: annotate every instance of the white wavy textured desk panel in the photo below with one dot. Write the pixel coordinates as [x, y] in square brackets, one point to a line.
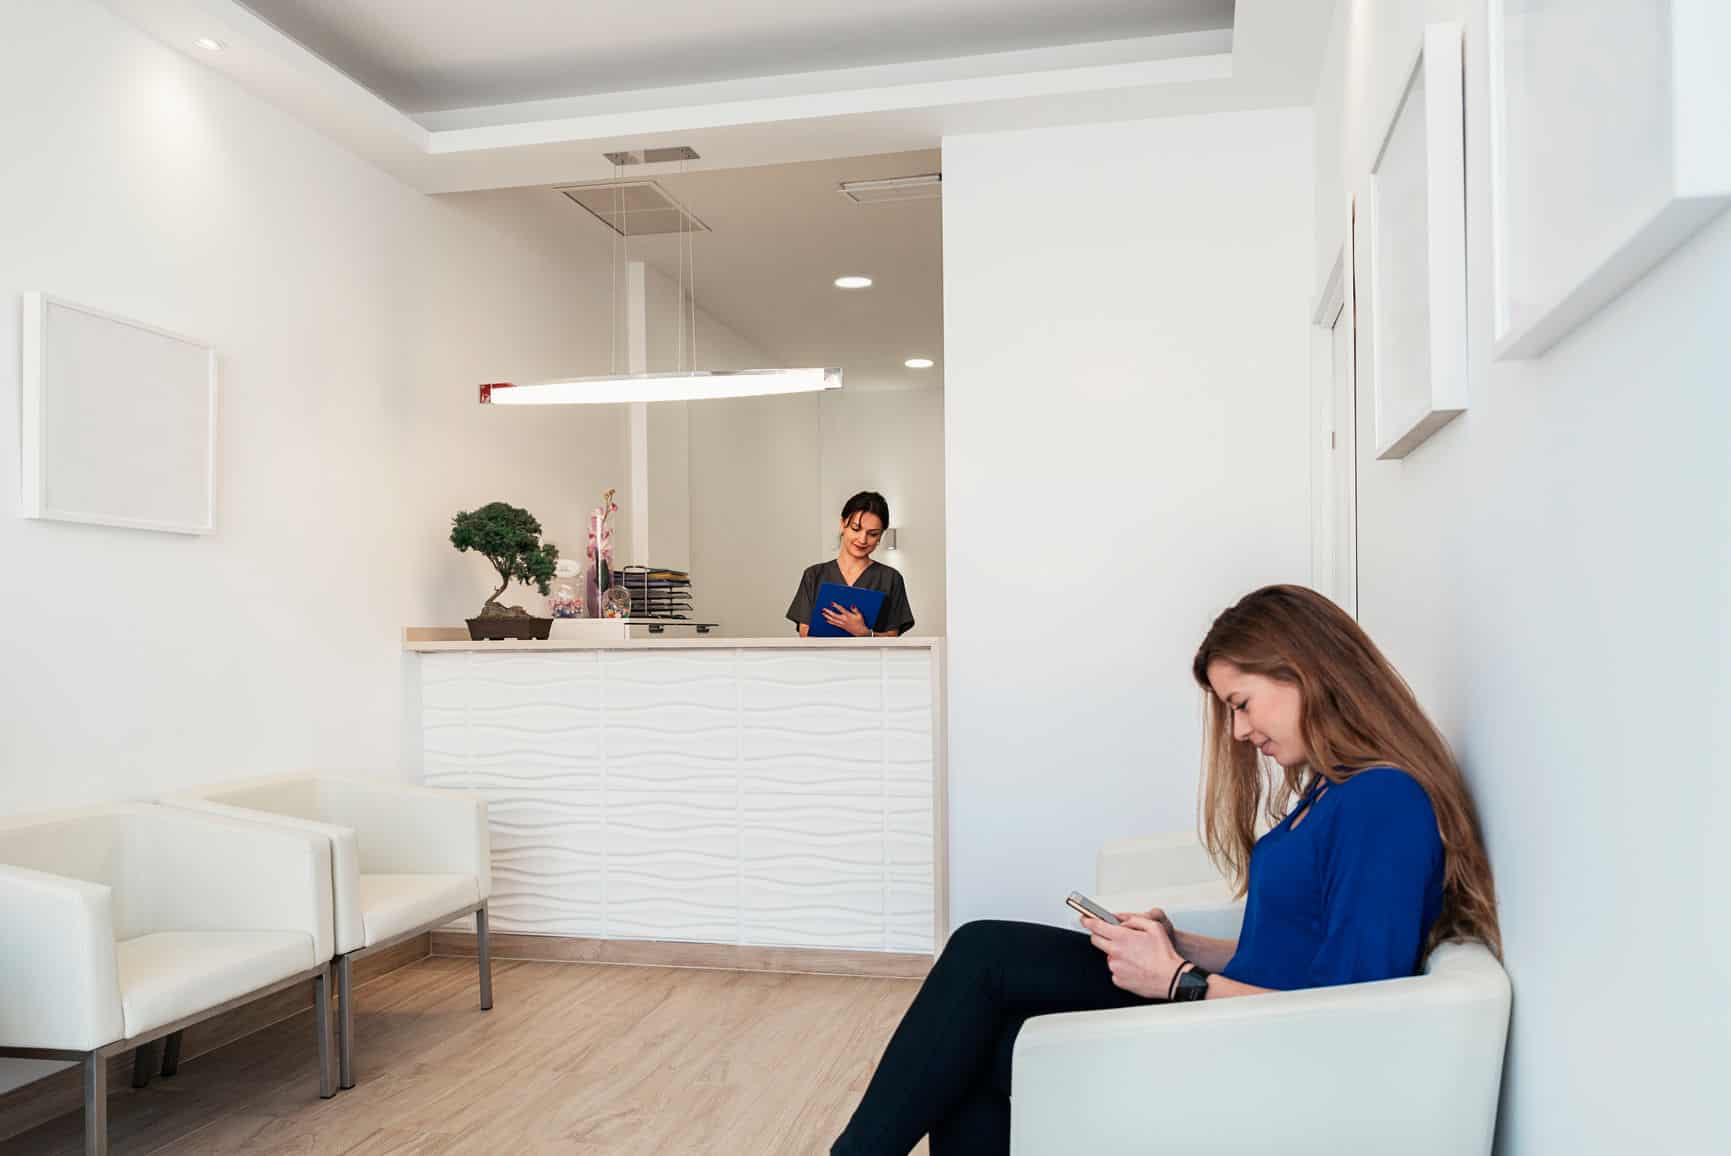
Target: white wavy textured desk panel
[759, 797]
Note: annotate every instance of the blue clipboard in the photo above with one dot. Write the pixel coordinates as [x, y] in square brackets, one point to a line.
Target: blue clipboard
[869, 603]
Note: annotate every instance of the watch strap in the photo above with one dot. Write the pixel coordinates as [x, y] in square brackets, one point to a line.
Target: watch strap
[1192, 985]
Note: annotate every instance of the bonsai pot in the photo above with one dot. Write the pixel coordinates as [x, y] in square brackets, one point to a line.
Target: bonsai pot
[509, 626]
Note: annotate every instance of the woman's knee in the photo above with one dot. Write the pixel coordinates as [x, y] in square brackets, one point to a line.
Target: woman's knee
[980, 939]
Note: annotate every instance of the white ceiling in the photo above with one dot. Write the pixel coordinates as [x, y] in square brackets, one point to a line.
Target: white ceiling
[744, 84]
[780, 235]
[430, 55]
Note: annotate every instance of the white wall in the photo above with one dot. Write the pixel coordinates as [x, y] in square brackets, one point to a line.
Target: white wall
[1553, 573]
[1126, 353]
[354, 319]
[755, 492]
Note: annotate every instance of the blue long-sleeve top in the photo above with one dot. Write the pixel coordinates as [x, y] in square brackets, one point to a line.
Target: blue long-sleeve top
[1350, 893]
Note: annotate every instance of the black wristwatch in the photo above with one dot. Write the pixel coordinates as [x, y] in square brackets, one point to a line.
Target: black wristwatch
[1192, 985]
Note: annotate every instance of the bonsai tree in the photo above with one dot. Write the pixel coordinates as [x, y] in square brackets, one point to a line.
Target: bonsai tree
[510, 539]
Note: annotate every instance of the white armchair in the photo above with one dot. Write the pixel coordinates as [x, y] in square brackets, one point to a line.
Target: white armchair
[1405, 1065]
[127, 923]
[405, 860]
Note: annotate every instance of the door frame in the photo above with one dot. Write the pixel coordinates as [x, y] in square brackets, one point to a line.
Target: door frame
[1334, 306]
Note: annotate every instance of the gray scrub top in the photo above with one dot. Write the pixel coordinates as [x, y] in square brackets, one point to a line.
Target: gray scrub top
[895, 615]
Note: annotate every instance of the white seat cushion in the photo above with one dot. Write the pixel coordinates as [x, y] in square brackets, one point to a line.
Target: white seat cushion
[393, 904]
[169, 975]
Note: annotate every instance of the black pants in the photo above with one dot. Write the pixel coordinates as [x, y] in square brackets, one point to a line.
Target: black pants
[946, 1071]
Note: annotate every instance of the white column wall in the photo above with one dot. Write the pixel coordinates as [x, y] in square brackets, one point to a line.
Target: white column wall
[1126, 356]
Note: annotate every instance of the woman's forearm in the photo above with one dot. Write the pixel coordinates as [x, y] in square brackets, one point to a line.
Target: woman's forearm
[1211, 953]
[1219, 987]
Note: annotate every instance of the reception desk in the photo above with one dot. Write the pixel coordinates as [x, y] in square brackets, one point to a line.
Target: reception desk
[769, 793]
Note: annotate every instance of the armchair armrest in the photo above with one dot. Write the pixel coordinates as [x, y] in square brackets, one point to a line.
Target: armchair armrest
[345, 857]
[192, 871]
[1408, 1065]
[57, 962]
[407, 829]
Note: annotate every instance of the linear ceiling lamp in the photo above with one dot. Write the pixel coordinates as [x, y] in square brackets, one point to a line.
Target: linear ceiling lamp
[686, 382]
[684, 385]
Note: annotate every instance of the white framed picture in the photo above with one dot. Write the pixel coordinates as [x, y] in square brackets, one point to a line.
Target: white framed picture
[1610, 126]
[118, 421]
[1409, 255]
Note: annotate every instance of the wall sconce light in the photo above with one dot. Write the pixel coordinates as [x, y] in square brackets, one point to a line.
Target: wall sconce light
[889, 538]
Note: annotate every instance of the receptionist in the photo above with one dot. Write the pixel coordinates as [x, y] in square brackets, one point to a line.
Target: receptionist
[863, 520]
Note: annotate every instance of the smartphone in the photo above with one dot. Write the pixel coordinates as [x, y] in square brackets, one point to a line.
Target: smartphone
[1088, 907]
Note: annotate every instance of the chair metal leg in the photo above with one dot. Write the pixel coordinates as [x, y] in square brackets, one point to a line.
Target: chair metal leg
[322, 1025]
[144, 1060]
[484, 954]
[95, 1105]
[345, 1023]
[171, 1054]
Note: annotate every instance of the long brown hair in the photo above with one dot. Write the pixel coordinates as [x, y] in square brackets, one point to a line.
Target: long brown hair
[1356, 712]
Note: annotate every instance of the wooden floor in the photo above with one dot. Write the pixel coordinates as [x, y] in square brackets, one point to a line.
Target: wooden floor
[573, 1058]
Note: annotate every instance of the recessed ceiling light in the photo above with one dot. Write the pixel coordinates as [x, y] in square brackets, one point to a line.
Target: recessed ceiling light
[918, 363]
[208, 44]
[853, 282]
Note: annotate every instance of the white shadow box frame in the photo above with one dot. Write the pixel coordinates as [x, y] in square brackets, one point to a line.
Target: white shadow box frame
[1610, 125]
[118, 421]
[1410, 254]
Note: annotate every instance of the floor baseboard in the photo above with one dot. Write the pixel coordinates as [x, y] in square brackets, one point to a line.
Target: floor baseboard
[667, 953]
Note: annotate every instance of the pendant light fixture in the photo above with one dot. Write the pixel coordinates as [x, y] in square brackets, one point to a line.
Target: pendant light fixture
[685, 382]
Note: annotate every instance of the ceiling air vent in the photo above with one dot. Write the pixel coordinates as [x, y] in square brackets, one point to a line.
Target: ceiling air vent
[652, 156]
[925, 187]
[634, 208]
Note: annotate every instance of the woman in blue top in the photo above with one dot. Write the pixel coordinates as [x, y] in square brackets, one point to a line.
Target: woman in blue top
[1372, 857]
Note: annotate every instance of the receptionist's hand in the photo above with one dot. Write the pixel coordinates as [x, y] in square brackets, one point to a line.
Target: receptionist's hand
[846, 618]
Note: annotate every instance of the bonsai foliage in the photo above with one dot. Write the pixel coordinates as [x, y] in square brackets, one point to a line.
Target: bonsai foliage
[509, 538]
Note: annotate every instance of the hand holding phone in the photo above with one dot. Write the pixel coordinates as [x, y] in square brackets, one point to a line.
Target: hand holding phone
[1087, 906]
